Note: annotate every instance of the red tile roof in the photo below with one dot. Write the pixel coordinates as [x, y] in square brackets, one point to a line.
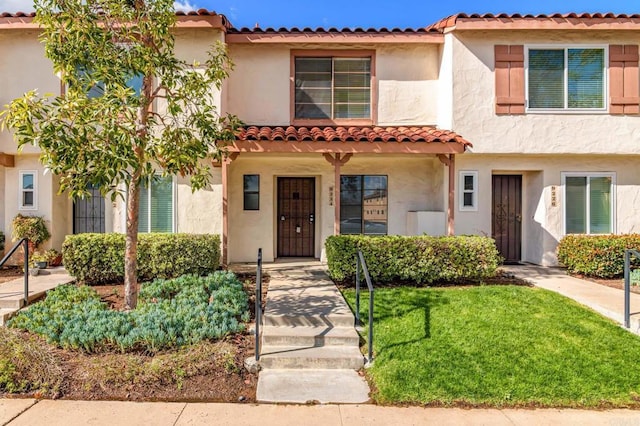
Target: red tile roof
[321, 30]
[566, 17]
[350, 134]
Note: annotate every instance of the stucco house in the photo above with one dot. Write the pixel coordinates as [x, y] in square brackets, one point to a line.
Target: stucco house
[524, 128]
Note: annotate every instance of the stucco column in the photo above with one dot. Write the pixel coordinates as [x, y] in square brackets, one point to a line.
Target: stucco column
[225, 209]
[452, 192]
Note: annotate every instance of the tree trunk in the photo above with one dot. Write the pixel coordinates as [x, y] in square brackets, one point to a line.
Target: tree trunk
[131, 247]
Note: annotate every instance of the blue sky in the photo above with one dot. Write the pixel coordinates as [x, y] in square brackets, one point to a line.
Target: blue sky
[396, 13]
[372, 13]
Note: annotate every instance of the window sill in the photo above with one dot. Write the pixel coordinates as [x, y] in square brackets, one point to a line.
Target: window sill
[323, 122]
[567, 112]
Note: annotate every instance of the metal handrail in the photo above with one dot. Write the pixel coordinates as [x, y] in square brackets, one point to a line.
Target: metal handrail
[360, 262]
[258, 307]
[25, 243]
[627, 285]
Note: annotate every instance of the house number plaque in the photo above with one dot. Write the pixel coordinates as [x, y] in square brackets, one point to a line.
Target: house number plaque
[331, 195]
[554, 196]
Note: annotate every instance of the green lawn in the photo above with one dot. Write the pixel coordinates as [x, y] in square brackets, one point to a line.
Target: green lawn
[497, 345]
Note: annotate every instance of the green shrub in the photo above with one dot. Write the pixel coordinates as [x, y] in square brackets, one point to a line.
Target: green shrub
[99, 258]
[422, 259]
[597, 255]
[170, 313]
[1, 242]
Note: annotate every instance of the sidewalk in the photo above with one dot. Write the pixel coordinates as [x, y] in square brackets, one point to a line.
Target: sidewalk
[12, 292]
[71, 413]
[602, 299]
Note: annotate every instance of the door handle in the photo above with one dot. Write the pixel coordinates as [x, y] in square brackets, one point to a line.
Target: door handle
[312, 218]
[282, 218]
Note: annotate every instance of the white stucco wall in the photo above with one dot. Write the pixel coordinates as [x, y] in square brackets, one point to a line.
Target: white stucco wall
[542, 223]
[414, 183]
[474, 96]
[258, 90]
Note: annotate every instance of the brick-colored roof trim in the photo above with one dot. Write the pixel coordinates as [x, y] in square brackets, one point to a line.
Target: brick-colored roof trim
[186, 19]
[541, 21]
[332, 30]
[427, 134]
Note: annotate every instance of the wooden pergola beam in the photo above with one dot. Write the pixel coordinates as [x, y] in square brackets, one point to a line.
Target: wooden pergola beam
[337, 161]
[7, 160]
[323, 147]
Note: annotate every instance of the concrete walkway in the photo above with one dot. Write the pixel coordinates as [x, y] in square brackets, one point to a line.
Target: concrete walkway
[72, 413]
[12, 292]
[310, 348]
[602, 299]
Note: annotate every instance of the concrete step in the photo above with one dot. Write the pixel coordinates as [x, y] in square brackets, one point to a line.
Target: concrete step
[289, 320]
[6, 314]
[324, 357]
[11, 301]
[312, 386]
[310, 336]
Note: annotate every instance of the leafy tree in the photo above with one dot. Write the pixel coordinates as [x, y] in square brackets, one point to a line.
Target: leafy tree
[131, 108]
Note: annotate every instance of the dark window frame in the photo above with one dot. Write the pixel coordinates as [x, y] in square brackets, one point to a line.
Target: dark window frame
[364, 208]
[246, 192]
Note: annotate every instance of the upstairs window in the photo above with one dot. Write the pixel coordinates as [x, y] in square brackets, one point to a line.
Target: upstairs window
[566, 79]
[333, 88]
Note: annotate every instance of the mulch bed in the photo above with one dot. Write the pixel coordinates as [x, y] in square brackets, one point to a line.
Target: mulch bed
[612, 282]
[10, 273]
[219, 377]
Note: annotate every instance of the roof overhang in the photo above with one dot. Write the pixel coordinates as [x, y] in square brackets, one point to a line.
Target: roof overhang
[305, 147]
[348, 140]
[568, 21]
[334, 37]
[199, 19]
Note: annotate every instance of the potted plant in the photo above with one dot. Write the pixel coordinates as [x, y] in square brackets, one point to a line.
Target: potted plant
[54, 257]
[39, 260]
[31, 227]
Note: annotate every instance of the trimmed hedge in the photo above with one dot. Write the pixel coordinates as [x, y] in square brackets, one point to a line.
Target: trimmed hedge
[597, 255]
[422, 259]
[99, 258]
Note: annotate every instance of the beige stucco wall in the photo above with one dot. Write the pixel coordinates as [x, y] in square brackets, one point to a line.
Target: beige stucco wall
[23, 67]
[474, 94]
[55, 209]
[258, 90]
[414, 183]
[197, 212]
[542, 223]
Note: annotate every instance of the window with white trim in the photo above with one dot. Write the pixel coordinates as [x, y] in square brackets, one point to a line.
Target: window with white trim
[157, 205]
[28, 190]
[566, 78]
[588, 203]
[468, 189]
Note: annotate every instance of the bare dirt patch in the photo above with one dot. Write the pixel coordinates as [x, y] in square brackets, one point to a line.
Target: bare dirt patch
[10, 273]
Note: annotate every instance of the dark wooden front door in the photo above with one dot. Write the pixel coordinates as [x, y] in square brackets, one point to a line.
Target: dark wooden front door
[88, 214]
[507, 216]
[296, 217]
